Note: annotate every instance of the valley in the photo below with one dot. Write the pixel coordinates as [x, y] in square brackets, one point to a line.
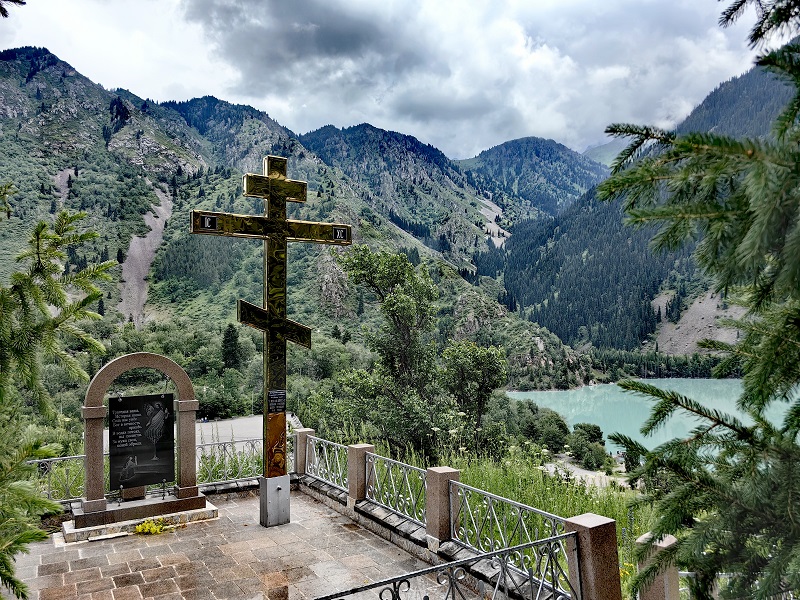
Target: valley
[522, 254]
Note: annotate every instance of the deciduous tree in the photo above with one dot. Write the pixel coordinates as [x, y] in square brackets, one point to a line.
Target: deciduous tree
[399, 396]
[471, 374]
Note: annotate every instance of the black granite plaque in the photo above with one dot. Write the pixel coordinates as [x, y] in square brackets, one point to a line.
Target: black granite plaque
[276, 401]
[141, 436]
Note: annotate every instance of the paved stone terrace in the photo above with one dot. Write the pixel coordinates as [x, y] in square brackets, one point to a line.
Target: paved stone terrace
[319, 552]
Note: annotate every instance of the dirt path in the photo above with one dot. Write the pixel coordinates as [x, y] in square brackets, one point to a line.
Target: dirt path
[593, 478]
[139, 258]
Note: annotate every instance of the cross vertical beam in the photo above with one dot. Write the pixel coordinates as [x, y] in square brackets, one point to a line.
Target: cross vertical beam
[274, 338]
[276, 230]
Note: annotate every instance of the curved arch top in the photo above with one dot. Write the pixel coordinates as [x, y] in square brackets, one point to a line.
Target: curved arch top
[137, 360]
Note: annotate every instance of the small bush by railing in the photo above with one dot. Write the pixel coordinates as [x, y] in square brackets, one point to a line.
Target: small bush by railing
[327, 461]
[489, 575]
[397, 486]
[226, 462]
[61, 479]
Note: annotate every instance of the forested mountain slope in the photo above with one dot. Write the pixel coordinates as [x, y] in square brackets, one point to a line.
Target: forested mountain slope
[66, 142]
[589, 279]
[745, 106]
[413, 184]
[545, 175]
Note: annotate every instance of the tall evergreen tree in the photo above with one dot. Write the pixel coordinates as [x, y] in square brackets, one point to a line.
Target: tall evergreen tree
[732, 490]
[231, 350]
[35, 312]
[4, 10]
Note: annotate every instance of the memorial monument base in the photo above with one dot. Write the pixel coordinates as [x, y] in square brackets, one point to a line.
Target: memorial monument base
[273, 495]
[136, 509]
[73, 533]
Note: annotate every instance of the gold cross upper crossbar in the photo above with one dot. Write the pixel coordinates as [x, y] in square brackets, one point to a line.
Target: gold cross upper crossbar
[260, 227]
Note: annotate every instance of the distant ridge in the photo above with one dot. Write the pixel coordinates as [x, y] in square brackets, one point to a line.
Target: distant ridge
[547, 175]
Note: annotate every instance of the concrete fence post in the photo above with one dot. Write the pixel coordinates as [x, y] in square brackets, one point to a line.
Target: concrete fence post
[300, 445]
[592, 557]
[357, 472]
[437, 504]
[666, 585]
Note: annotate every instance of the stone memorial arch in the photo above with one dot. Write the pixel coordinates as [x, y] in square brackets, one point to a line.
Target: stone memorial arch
[95, 509]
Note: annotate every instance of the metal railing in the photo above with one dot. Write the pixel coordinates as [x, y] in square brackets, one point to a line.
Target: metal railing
[227, 462]
[327, 461]
[61, 479]
[397, 486]
[493, 575]
[484, 522]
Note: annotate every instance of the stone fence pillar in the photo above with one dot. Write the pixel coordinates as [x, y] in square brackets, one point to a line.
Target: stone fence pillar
[300, 445]
[186, 414]
[666, 585]
[437, 505]
[592, 557]
[357, 472]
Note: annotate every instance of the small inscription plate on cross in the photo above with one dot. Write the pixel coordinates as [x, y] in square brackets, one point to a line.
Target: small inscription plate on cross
[276, 230]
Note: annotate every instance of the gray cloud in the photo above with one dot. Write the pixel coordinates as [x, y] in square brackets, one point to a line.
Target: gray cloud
[468, 75]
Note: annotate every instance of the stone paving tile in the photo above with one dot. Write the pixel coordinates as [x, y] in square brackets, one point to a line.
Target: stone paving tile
[127, 593]
[159, 588]
[115, 569]
[318, 553]
[123, 556]
[82, 575]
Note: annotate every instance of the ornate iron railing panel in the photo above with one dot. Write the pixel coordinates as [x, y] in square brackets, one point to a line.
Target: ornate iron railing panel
[291, 440]
[492, 575]
[484, 522]
[327, 461]
[227, 462]
[61, 479]
[397, 486]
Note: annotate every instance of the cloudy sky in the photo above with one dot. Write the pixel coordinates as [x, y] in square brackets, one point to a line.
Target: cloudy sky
[463, 75]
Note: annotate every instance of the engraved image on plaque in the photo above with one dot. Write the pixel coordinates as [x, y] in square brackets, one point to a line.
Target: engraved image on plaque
[141, 440]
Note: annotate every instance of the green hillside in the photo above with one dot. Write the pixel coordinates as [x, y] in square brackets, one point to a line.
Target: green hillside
[589, 279]
[533, 174]
[69, 143]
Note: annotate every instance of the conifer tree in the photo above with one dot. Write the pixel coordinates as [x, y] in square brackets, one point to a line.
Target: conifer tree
[4, 10]
[730, 492]
[231, 350]
[35, 312]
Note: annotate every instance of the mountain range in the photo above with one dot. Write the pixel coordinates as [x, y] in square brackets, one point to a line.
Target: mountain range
[514, 232]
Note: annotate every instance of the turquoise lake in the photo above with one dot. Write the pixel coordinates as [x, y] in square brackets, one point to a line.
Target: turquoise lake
[613, 409]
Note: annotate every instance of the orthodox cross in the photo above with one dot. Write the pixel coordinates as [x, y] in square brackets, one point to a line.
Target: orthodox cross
[276, 230]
